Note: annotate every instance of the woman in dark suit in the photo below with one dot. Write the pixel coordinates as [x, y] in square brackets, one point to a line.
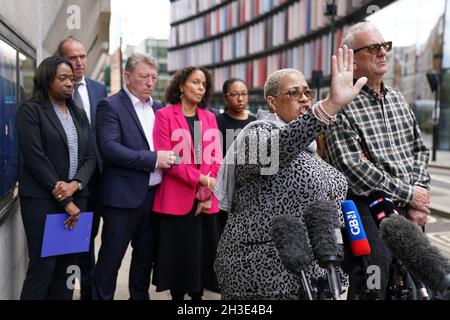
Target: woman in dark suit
[56, 163]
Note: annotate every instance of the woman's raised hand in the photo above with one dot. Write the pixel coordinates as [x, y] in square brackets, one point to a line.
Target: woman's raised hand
[342, 89]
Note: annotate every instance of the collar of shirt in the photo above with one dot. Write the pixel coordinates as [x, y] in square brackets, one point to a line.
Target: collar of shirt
[135, 101]
[82, 81]
[371, 93]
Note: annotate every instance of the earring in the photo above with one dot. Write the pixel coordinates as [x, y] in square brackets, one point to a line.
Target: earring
[181, 95]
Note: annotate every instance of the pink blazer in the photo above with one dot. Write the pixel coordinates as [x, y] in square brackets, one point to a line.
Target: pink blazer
[176, 193]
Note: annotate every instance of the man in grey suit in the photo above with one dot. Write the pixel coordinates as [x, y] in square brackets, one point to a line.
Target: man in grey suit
[87, 93]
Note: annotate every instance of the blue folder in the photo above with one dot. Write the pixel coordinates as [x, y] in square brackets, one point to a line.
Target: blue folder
[58, 240]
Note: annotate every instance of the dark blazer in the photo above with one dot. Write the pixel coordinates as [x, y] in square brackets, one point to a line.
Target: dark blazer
[96, 92]
[44, 153]
[126, 153]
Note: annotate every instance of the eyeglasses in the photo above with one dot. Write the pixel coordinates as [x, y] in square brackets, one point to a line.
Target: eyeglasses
[375, 48]
[295, 94]
[234, 95]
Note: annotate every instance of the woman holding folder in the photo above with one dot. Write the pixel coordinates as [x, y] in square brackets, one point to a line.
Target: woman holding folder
[56, 163]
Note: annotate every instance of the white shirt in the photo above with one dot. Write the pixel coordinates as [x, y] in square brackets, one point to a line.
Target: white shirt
[146, 117]
[82, 89]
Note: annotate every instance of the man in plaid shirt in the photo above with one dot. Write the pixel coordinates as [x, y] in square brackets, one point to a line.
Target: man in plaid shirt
[376, 143]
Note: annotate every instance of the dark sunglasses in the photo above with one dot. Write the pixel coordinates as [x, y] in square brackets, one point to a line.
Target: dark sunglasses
[375, 48]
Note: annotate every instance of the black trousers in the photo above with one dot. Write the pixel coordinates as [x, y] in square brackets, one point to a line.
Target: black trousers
[47, 278]
[87, 260]
[380, 254]
[120, 226]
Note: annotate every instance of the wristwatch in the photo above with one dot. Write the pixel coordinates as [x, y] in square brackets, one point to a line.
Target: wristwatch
[80, 186]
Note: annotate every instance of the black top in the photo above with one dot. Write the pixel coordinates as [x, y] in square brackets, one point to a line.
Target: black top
[224, 122]
[43, 146]
[196, 135]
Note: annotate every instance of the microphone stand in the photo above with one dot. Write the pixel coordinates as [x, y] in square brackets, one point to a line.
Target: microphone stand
[367, 294]
[306, 287]
[334, 284]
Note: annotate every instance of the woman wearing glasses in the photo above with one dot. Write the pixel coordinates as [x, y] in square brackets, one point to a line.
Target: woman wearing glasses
[235, 93]
[234, 119]
[277, 172]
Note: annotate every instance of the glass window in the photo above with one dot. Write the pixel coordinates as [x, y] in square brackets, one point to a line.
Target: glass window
[8, 111]
[163, 68]
[27, 69]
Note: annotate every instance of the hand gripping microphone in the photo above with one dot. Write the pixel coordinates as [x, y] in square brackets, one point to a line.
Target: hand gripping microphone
[409, 244]
[359, 245]
[321, 219]
[291, 241]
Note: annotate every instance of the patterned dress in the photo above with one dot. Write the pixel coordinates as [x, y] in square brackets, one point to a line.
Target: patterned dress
[247, 263]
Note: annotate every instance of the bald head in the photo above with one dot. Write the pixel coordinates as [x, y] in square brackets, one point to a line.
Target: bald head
[74, 51]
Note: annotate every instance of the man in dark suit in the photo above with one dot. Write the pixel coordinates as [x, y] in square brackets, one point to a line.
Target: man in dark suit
[86, 95]
[131, 173]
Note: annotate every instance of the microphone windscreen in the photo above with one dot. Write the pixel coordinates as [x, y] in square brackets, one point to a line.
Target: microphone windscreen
[410, 245]
[321, 220]
[359, 244]
[290, 238]
[380, 205]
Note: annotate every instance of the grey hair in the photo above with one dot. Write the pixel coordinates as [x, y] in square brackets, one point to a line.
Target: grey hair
[273, 81]
[136, 58]
[349, 37]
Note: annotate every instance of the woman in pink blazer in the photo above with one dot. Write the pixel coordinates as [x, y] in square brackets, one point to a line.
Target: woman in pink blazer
[189, 228]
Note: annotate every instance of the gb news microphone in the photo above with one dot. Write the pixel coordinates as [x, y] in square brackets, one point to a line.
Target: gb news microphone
[381, 206]
[290, 238]
[410, 245]
[321, 219]
[359, 245]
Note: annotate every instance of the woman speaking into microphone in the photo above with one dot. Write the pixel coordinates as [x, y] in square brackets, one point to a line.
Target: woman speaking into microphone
[255, 191]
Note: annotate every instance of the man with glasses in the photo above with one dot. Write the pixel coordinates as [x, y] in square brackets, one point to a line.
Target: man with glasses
[376, 143]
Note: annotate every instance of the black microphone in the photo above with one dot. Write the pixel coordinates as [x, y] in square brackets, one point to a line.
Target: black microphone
[380, 205]
[410, 245]
[290, 238]
[321, 219]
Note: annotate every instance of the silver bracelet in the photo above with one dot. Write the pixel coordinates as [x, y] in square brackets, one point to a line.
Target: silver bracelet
[332, 118]
[319, 116]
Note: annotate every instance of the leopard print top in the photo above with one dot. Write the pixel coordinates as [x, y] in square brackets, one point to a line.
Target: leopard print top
[247, 263]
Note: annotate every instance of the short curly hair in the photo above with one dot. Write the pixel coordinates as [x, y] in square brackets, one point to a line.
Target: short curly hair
[173, 92]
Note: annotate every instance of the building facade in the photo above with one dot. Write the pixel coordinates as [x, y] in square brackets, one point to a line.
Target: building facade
[157, 48]
[250, 39]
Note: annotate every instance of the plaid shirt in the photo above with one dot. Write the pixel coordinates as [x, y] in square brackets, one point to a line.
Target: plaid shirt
[386, 131]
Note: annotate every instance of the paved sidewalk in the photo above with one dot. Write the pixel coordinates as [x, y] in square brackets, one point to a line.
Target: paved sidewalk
[122, 281]
[440, 205]
[440, 191]
[442, 160]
